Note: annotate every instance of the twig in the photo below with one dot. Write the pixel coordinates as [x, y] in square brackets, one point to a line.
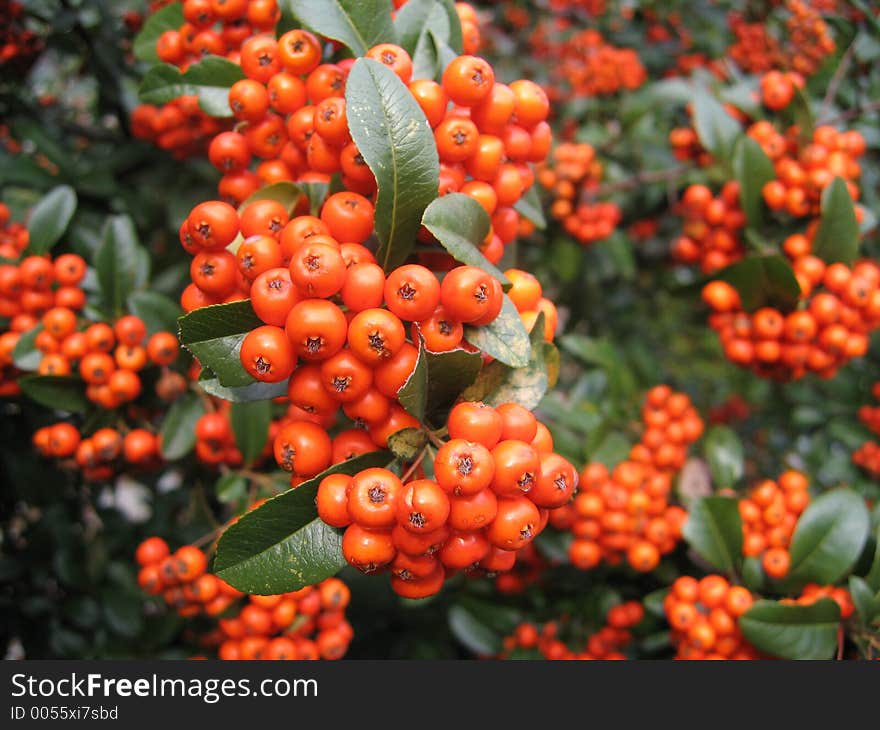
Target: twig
[837, 79]
[415, 465]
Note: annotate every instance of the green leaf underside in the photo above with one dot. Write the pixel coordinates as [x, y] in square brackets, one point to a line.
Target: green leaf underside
[724, 453]
[394, 138]
[58, 392]
[505, 339]
[437, 380]
[244, 393]
[214, 335]
[283, 545]
[25, 355]
[210, 80]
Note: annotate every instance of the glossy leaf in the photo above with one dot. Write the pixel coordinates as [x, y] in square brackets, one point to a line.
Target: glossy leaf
[793, 631]
[283, 545]
[473, 633]
[25, 355]
[179, 427]
[397, 144]
[460, 223]
[357, 24]
[529, 207]
[838, 236]
[724, 453]
[829, 538]
[210, 80]
[58, 392]
[763, 281]
[285, 192]
[49, 219]
[243, 393]
[214, 335]
[714, 530]
[753, 169]
[168, 18]
[159, 313]
[250, 424]
[716, 129]
[120, 264]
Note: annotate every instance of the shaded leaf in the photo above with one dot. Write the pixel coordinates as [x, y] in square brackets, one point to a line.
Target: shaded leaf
[168, 18]
[159, 313]
[529, 207]
[250, 424]
[714, 530]
[716, 129]
[49, 219]
[763, 281]
[753, 169]
[58, 392]
[407, 443]
[121, 264]
[793, 631]
[178, 434]
[210, 80]
[838, 236]
[724, 453]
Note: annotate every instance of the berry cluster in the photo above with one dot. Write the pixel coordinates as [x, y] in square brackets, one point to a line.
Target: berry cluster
[605, 644]
[305, 624]
[625, 514]
[867, 456]
[494, 485]
[840, 308]
[102, 454]
[812, 592]
[181, 578]
[18, 44]
[778, 88]
[712, 226]
[769, 515]
[686, 146]
[215, 27]
[528, 297]
[704, 616]
[803, 171]
[179, 127]
[573, 176]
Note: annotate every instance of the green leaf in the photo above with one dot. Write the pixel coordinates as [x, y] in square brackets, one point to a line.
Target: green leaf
[753, 574]
[803, 116]
[473, 633]
[753, 169]
[250, 424]
[793, 631]
[49, 219]
[214, 335]
[724, 453]
[159, 313]
[210, 79]
[866, 602]
[505, 338]
[829, 538]
[838, 236]
[529, 207]
[763, 281]
[58, 392]
[396, 142]
[168, 18]
[407, 443]
[613, 449]
[716, 129]
[317, 193]
[243, 393]
[25, 355]
[499, 383]
[231, 488]
[178, 432]
[714, 530]
[436, 381]
[418, 23]
[285, 192]
[120, 263]
[357, 24]
[411, 24]
[460, 223]
[283, 545]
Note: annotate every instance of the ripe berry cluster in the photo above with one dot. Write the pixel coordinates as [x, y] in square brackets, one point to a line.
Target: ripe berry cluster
[605, 644]
[305, 624]
[625, 513]
[495, 482]
[839, 308]
[807, 42]
[181, 578]
[18, 44]
[769, 514]
[812, 592]
[704, 616]
[179, 127]
[712, 225]
[573, 176]
[803, 171]
[867, 455]
[102, 454]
